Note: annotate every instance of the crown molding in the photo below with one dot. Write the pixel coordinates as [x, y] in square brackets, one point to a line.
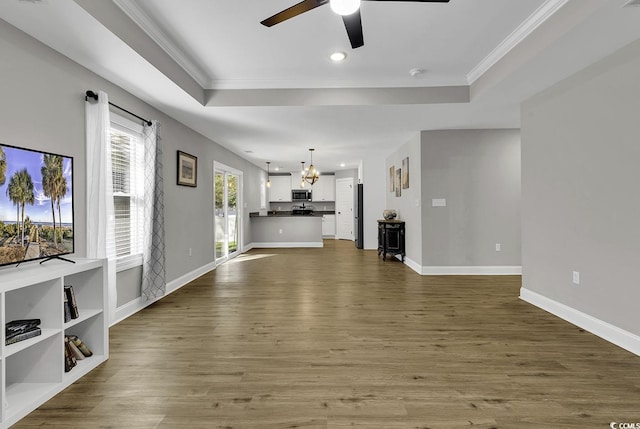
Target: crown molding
[544, 12]
[150, 27]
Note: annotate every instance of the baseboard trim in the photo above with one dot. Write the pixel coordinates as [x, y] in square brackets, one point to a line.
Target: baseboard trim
[461, 271]
[411, 264]
[471, 271]
[604, 330]
[133, 306]
[276, 245]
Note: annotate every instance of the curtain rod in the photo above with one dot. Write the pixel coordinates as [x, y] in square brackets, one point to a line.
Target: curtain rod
[91, 94]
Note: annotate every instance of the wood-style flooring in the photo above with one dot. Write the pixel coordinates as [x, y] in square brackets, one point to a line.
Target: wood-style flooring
[338, 338]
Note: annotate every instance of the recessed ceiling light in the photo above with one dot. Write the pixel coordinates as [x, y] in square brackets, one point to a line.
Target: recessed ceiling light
[342, 164]
[277, 168]
[336, 57]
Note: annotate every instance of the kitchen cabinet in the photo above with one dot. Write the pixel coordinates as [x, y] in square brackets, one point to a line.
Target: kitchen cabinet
[324, 189]
[296, 181]
[329, 225]
[280, 190]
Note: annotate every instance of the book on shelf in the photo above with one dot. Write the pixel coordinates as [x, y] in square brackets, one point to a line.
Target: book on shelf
[69, 359]
[34, 332]
[67, 308]
[20, 330]
[16, 327]
[75, 350]
[80, 345]
[71, 298]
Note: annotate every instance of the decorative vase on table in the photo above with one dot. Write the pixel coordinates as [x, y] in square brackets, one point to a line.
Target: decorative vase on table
[389, 214]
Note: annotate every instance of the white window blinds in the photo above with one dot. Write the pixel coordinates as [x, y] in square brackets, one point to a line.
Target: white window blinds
[127, 162]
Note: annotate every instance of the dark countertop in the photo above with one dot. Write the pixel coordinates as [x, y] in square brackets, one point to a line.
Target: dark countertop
[273, 213]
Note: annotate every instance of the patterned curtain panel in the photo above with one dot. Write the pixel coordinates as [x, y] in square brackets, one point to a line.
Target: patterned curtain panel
[153, 266]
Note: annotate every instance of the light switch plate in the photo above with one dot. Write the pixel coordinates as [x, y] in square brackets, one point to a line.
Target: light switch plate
[439, 202]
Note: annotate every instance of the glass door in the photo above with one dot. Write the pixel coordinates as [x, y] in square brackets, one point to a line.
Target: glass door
[227, 212]
[232, 213]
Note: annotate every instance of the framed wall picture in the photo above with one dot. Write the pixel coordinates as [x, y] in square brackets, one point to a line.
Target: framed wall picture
[392, 179]
[187, 169]
[405, 173]
[399, 182]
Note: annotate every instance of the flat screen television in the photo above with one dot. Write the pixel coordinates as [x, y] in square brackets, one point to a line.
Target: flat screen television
[36, 205]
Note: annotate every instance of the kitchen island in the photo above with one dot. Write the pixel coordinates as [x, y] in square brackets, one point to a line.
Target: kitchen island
[285, 229]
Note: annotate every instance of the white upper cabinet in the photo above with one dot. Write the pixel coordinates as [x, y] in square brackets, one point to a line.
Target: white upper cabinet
[296, 180]
[280, 190]
[324, 189]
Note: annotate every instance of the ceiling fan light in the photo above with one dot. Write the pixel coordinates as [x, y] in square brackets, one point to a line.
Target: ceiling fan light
[344, 7]
[336, 57]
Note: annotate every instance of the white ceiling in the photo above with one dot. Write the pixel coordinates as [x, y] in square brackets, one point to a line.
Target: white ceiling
[241, 84]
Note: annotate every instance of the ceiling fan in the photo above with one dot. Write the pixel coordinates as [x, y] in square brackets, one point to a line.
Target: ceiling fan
[348, 9]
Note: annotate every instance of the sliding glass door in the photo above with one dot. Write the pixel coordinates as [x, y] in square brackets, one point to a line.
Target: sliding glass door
[227, 190]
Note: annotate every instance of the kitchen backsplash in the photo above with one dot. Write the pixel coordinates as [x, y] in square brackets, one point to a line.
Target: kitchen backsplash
[319, 206]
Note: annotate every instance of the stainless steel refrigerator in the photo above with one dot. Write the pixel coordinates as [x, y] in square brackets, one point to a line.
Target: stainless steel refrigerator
[359, 217]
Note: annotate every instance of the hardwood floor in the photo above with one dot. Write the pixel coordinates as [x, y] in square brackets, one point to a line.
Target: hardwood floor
[337, 338]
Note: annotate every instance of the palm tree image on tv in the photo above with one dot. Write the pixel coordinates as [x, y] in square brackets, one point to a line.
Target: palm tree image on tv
[20, 192]
[36, 210]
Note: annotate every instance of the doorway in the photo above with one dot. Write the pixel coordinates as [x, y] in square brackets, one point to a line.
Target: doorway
[227, 196]
[344, 209]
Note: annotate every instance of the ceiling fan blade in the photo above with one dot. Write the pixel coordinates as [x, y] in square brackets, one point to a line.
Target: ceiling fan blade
[353, 24]
[295, 10]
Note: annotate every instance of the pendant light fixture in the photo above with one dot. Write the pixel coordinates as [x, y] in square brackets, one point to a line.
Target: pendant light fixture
[312, 174]
[268, 179]
[302, 173]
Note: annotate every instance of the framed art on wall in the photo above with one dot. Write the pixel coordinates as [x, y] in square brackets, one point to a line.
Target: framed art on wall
[405, 173]
[392, 179]
[187, 169]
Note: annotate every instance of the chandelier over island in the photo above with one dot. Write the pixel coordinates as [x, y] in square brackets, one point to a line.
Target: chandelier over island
[311, 175]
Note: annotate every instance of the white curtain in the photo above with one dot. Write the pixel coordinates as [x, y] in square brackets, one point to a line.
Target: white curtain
[100, 217]
[153, 265]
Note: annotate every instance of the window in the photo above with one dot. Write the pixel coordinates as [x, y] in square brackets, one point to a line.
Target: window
[127, 164]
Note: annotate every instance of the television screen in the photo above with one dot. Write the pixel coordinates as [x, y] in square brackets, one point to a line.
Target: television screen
[36, 205]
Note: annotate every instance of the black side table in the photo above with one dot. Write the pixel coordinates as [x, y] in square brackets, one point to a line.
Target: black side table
[391, 238]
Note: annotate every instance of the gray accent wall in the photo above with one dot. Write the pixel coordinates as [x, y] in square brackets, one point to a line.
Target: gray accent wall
[580, 198]
[478, 173]
[42, 107]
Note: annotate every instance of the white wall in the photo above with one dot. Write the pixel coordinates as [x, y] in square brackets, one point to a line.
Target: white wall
[408, 204]
[580, 198]
[373, 180]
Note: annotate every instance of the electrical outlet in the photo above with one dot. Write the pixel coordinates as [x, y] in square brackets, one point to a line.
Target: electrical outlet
[280, 231]
[190, 251]
[498, 247]
[576, 277]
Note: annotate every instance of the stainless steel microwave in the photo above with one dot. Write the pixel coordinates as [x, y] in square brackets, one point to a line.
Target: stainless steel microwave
[300, 195]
